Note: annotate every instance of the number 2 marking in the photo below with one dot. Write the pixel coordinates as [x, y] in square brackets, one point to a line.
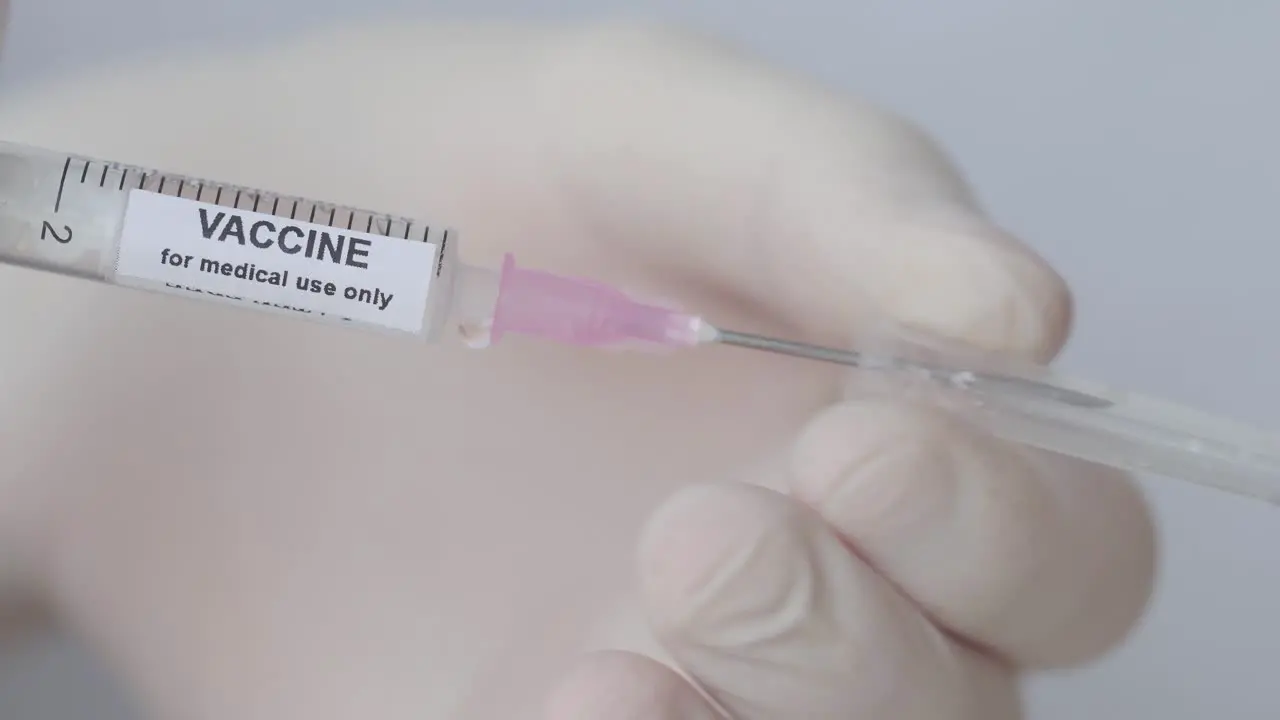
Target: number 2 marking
[49, 231]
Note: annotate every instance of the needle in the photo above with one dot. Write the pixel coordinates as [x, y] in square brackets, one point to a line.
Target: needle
[851, 358]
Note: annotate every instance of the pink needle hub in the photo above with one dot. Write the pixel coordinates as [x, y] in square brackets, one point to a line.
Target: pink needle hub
[585, 313]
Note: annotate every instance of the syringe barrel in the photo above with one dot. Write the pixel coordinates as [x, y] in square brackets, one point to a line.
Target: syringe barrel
[166, 232]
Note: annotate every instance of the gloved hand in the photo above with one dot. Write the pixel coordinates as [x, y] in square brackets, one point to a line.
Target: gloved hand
[257, 518]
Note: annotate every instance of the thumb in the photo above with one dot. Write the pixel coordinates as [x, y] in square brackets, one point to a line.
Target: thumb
[799, 200]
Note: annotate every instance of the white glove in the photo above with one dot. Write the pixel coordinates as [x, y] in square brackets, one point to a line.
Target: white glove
[263, 519]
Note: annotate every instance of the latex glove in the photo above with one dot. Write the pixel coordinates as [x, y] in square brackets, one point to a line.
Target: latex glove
[256, 518]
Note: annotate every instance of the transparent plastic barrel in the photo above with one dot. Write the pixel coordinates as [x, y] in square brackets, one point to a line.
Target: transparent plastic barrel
[63, 213]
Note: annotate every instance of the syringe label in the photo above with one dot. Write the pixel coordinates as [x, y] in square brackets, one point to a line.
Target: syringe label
[168, 241]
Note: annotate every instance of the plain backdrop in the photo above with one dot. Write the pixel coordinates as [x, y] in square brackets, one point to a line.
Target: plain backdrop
[1134, 144]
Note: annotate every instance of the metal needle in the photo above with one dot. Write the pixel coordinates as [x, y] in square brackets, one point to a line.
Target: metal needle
[851, 358]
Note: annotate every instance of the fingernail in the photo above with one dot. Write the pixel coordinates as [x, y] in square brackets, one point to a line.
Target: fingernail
[974, 287]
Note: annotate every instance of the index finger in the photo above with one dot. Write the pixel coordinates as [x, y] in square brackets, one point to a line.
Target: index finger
[810, 205]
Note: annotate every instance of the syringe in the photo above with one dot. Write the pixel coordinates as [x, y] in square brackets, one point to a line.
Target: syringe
[165, 232]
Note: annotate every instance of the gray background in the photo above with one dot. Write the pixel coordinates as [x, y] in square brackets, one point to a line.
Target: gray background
[1133, 143]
